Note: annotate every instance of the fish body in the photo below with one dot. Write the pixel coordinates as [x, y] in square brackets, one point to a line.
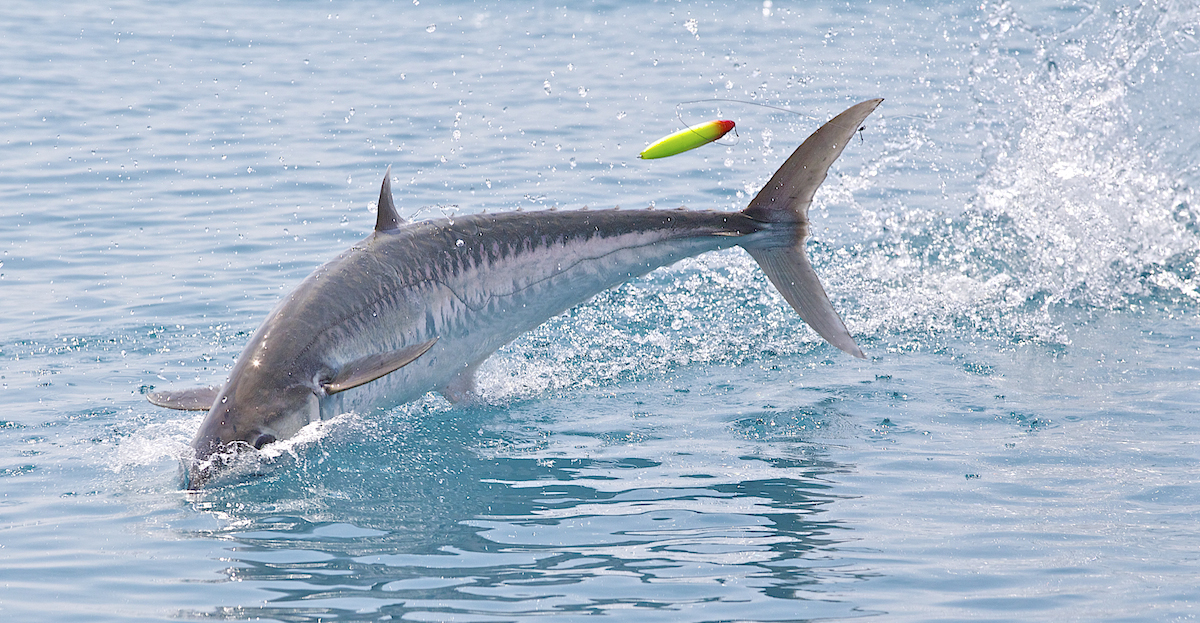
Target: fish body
[416, 307]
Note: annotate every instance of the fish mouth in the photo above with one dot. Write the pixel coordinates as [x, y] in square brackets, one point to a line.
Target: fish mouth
[192, 477]
[208, 465]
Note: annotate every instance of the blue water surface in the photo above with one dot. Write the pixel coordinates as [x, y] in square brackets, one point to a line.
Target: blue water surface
[1012, 239]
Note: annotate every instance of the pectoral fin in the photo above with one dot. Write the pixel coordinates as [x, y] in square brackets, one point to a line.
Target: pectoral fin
[195, 399]
[371, 367]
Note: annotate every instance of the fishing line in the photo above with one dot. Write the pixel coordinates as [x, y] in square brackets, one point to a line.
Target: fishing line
[680, 105]
[679, 115]
[748, 103]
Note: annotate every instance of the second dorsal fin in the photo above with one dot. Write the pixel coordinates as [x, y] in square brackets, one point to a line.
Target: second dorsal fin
[387, 218]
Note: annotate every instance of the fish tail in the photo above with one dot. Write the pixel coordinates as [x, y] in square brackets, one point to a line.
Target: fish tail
[784, 203]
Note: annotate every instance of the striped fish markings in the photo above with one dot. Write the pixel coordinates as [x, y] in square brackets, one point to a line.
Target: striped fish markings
[417, 307]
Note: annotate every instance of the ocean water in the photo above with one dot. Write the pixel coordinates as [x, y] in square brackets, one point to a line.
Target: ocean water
[1013, 239]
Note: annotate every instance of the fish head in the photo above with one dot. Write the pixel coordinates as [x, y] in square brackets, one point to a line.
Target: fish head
[250, 413]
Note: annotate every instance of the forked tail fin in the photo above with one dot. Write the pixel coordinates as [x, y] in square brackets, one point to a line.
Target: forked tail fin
[785, 200]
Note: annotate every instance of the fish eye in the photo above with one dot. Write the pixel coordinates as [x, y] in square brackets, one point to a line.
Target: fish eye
[263, 440]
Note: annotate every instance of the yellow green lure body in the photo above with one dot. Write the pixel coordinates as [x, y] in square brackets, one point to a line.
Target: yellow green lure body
[687, 138]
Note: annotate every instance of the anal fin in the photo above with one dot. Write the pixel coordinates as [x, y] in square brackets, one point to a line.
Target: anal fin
[461, 388]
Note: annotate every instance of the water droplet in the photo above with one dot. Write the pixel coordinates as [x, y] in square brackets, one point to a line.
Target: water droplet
[488, 182]
[546, 87]
[573, 163]
[458, 243]
[582, 92]
[431, 28]
[621, 115]
[570, 67]
[456, 135]
[692, 26]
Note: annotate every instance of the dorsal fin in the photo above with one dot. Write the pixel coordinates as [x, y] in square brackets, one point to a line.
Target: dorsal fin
[387, 218]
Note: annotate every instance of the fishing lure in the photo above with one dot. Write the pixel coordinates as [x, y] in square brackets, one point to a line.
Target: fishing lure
[687, 138]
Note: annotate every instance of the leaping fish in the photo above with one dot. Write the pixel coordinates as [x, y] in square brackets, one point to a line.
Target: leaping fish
[417, 307]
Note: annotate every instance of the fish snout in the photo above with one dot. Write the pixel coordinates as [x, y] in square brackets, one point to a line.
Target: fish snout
[211, 456]
[238, 427]
[214, 453]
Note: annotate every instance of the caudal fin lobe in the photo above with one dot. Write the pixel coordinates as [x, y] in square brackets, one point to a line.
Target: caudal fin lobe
[785, 200]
